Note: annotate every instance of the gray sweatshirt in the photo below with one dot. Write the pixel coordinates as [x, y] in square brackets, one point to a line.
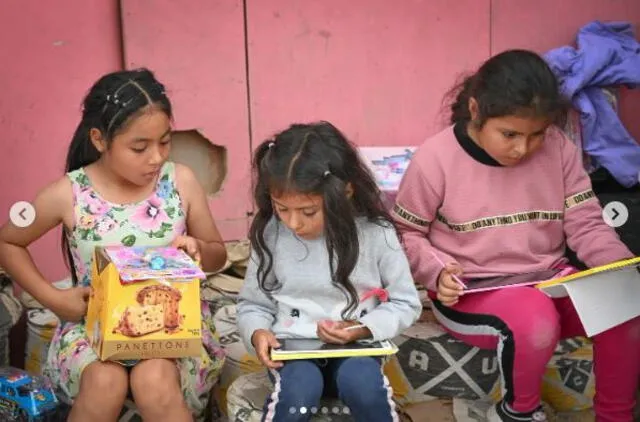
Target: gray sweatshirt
[307, 295]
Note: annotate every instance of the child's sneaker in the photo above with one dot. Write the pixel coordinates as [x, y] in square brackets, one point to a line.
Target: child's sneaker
[500, 412]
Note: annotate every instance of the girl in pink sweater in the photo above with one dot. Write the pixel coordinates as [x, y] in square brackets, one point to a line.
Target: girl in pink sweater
[503, 191]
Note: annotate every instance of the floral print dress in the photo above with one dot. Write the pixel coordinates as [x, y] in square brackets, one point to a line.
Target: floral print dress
[155, 221]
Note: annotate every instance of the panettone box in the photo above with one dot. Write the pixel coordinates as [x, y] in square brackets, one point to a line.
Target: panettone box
[145, 303]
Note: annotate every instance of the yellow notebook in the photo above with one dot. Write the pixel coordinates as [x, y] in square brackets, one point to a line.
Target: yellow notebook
[614, 266]
[292, 349]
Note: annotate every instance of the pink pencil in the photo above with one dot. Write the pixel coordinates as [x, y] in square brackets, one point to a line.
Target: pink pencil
[455, 277]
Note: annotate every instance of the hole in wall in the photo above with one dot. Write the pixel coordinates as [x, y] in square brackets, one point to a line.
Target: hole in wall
[207, 160]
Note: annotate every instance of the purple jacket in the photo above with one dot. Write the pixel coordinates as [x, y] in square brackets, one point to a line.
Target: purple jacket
[607, 54]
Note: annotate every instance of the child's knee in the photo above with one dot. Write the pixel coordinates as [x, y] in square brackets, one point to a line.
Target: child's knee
[298, 384]
[626, 334]
[633, 331]
[535, 325]
[538, 335]
[155, 383]
[360, 378]
[104, 379]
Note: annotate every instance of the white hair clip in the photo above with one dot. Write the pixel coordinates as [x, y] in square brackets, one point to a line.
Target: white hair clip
[326, 173]
[271, 144]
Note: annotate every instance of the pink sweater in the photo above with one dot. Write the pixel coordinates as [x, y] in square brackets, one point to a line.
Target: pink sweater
[497, 220]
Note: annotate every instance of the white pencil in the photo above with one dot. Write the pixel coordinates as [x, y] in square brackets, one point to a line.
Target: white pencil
[442, 264]
[355, 327]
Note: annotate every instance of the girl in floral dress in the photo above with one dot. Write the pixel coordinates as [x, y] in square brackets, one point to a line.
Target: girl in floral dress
[120, 190]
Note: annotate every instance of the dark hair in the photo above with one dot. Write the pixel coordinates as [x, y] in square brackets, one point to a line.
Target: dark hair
[515, 82]
[316, 159]
[111, 104]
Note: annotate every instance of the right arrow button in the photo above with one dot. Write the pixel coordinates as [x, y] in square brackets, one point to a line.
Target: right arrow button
[615, 214]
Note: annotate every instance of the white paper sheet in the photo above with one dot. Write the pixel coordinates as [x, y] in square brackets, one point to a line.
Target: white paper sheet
[605, 300]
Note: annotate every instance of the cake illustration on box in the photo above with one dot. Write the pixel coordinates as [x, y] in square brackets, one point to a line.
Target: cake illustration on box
[145, 304]
[158, 308]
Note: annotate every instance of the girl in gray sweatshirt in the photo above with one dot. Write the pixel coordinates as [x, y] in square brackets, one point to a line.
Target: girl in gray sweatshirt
[325, 258]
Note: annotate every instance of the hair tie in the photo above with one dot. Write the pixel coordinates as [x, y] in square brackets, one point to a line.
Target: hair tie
[326, 173]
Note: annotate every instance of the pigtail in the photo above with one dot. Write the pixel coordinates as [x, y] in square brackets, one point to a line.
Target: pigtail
[81, 151]
[342, 240]
[263, 215]
[458, 98]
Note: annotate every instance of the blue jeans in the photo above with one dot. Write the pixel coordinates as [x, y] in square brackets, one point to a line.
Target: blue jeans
[358, 382]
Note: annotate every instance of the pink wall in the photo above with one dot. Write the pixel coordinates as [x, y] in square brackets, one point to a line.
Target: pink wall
[373, 68]
[376, 69]
[379, 71]
[52, 53]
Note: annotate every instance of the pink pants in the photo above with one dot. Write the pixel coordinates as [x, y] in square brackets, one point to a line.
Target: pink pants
[524, 325]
